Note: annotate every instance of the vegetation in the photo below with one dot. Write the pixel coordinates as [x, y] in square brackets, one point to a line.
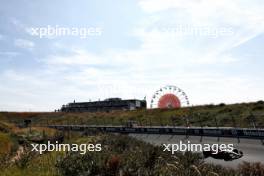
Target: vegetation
[241, 115]
[123, 155]
[120, 155]
[7, 147]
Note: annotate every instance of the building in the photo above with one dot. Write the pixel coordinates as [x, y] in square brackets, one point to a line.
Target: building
[106, 105]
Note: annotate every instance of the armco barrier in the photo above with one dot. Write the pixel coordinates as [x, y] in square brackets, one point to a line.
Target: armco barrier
[251, 133]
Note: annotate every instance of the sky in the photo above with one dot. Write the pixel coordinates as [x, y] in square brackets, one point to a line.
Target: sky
[211, 49]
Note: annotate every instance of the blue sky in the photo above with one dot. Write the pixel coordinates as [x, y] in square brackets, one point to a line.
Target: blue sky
[142, 47]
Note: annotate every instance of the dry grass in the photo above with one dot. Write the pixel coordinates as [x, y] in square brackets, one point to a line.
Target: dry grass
[5, 144]
[36, 130]
[207, 113]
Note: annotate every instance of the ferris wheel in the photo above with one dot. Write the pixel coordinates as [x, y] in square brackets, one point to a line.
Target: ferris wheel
[169, 97]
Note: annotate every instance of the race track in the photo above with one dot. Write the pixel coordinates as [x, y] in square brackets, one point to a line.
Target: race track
[253, 149]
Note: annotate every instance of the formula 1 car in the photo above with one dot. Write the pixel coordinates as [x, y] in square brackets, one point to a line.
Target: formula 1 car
[226, 155]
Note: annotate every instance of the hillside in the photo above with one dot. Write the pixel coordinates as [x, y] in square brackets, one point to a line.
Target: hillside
[240, 115]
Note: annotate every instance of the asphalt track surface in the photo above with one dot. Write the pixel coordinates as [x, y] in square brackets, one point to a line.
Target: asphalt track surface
[253, 149]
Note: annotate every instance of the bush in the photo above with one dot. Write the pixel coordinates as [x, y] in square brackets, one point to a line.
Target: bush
[122, 155]
[222, 104]
[251, 169]
[76, 164]
[258, 107]
[24, 159]
[260, 102]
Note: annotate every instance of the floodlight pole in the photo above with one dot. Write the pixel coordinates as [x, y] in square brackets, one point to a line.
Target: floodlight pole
[253, 120]
[186, 129]
[216, 124]
[235, 126]
[201, 125]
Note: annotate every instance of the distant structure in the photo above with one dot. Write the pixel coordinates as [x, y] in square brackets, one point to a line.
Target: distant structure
[169, 97]
[106, 105]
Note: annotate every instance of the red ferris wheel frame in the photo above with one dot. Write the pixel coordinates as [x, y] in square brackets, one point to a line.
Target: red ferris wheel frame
[169, 97]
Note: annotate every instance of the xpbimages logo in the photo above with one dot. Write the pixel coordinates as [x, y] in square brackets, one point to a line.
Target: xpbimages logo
[82, 148]
[59, 31]
[183, 147]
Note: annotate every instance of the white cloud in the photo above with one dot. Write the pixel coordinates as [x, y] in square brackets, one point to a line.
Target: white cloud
[8, 53]
[79, 57]
[209, 9]
[25, 44]
[20, 26]
[190, 62]
[245, 18]
[12, 75]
